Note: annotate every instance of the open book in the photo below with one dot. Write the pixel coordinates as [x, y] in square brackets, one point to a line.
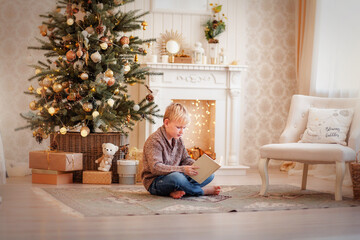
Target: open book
[207, 166]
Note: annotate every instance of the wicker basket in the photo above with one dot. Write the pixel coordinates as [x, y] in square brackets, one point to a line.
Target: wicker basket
[91, 148]
[355, 176]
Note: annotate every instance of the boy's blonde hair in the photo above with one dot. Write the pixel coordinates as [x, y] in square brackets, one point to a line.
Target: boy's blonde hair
[177, 112]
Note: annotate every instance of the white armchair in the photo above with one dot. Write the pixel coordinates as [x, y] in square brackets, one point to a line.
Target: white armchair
[312, 153]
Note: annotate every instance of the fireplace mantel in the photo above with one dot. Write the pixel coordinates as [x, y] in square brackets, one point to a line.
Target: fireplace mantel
[222, 83]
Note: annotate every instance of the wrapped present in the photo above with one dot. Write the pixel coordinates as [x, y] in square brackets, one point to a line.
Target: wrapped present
[44, 178]
[97, 177]
[137, 154]
[55, 160]
[45, 171]
[183, 60]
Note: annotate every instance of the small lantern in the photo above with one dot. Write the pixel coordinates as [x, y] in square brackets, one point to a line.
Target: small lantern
[198, 53]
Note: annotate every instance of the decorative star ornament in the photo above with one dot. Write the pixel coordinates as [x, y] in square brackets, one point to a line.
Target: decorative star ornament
[80, 15]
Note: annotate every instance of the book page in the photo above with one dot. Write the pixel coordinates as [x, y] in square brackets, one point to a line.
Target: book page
[207, 166]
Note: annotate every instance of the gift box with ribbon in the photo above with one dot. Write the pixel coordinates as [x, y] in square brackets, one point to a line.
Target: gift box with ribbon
[56, 160]
[97, 177]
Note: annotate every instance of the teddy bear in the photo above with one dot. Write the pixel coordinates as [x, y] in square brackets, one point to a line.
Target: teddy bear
[105, 160]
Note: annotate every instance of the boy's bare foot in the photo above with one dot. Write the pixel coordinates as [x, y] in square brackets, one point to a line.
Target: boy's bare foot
[212, 190]
[177, 194]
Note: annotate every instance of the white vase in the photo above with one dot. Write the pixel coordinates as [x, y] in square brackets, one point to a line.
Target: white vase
[213, 52]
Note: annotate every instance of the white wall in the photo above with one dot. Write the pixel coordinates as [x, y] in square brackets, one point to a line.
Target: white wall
[260, 33]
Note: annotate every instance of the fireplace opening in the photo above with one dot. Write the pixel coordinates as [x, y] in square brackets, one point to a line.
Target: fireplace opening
[199, 136]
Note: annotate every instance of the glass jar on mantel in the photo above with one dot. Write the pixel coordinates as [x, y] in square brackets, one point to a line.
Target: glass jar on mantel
[213, 50]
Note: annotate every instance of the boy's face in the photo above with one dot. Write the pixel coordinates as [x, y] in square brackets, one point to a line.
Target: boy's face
[174, 129]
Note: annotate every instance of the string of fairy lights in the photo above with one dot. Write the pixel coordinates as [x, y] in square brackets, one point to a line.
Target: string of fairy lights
[201, 130]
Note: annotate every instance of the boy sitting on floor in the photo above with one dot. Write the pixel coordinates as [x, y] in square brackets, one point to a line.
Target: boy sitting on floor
[167, 165]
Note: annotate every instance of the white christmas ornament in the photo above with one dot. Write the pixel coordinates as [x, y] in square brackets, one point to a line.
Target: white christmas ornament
[136, 107]
[51, 110]
[63, 130]
[127, 68]
[96, 57]
[70, 21]
[110, 102]
[95, 114]
[84, 131]
[84, 76]
[104, 46]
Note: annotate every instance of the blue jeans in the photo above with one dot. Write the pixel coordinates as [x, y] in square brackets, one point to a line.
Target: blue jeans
[177, 181]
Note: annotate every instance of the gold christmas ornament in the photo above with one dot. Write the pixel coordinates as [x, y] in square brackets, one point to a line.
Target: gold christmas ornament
[46, 82]
[57, 87]
[84, 76]
[63, 130]
[31, 88]
[37, 71]
[32, 105]
[95, 114]
[84, 131]
[93, 89]
[51, 110]
[116, 92]
[109, 73]
[39, 90]
[136, 59]
[43, 30]
[87, 107]
[144, 24]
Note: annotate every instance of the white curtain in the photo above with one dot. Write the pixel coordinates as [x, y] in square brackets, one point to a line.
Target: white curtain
[336, 52]
[335, 70]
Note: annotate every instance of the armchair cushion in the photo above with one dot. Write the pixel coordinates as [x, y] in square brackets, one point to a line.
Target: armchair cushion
[308, 152]
[327, 125]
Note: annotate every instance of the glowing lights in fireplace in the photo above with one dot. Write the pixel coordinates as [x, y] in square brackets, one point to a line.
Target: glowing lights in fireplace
[201, 131]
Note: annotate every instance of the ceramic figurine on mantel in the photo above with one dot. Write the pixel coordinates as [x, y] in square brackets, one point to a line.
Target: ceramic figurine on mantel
[198, 53]
[214, 27]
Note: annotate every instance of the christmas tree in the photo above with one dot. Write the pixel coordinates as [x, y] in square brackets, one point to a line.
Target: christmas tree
[90, 60]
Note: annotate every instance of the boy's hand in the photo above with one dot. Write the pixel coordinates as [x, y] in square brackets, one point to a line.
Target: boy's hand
[191, 170]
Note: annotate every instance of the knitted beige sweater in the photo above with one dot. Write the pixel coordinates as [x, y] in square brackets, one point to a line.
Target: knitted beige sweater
[161, 158]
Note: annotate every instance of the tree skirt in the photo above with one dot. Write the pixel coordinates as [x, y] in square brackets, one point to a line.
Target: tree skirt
[120, 200]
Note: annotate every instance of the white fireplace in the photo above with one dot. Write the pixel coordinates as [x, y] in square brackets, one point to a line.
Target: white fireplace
[220, 84]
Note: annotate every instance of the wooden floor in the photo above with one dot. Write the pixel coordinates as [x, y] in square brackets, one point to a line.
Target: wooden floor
[24, 215]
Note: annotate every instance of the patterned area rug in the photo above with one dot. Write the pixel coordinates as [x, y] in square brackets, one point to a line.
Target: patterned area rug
[128, 201]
